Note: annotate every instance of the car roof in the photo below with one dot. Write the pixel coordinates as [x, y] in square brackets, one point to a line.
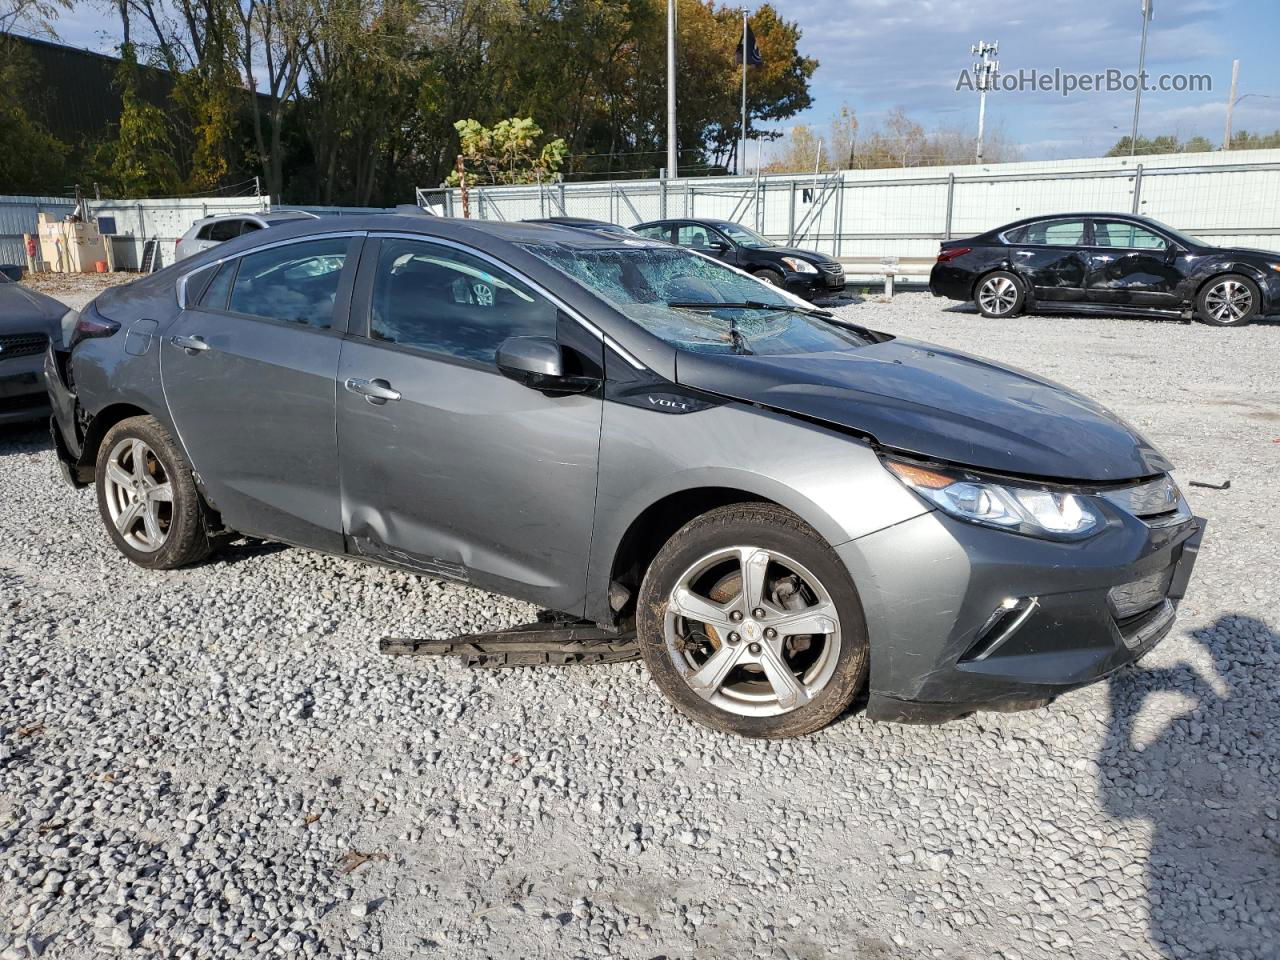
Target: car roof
[570, 220]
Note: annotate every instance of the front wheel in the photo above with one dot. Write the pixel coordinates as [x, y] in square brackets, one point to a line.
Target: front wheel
[999, 294]
[772, 277]
[750, 624]
[1229, 301]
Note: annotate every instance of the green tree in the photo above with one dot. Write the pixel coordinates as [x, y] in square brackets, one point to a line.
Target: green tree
[139, 161]
[508, 152]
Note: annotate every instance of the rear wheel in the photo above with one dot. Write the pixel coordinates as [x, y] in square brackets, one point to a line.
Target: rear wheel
[750, 624]
[1229, 301]
[147, 496]
[999, 294]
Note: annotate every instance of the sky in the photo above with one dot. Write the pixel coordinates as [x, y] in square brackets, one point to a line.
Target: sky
[875, 55]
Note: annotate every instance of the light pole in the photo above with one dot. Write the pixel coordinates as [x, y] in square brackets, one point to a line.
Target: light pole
[1226, 143]
[1142, 67]
[673, 155]
[984, 73]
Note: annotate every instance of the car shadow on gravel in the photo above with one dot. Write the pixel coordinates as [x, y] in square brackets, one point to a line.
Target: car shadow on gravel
[1203, 778]
[25, 438]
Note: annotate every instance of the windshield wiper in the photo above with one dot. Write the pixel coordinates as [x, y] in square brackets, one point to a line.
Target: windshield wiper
[747, 305]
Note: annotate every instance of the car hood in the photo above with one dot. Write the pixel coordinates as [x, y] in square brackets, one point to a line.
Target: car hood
[941, 404]
[795, 252]
[1250, 252]
[22, 309]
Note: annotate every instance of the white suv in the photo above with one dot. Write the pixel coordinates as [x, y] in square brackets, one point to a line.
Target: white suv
[211, 231]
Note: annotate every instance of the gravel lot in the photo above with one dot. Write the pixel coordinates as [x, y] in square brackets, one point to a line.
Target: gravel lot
[216, 762]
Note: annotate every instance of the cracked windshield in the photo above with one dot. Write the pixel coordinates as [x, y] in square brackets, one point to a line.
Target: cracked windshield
[696, 304]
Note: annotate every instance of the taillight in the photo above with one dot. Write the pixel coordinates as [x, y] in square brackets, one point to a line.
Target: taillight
[90, 326]
[948, 254]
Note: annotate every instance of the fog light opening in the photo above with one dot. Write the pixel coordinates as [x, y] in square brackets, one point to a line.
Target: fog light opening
[1003, 623]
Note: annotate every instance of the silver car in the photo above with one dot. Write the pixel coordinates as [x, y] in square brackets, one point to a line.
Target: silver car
[208, 232]
[787, 508]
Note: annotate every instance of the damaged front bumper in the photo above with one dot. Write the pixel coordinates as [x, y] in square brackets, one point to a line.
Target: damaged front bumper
[63, 424]
[964, 618]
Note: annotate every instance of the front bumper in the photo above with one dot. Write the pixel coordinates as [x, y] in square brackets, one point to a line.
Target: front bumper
[22, 392]
[828, 281]
[933, 589]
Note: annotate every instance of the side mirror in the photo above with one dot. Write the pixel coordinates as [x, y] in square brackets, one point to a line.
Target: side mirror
[538, 363]
[1170, 253]
[13, 271]
[719, 247]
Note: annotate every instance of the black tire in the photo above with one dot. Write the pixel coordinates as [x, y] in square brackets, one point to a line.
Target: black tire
[991, 295]
[774, 529]
[1211, 301]
[771, 277]
[182, 521]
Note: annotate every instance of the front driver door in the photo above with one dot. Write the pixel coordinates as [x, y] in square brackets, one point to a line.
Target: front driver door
[447, 466]
[249, 374]
[1050, 255]
[1132, 265]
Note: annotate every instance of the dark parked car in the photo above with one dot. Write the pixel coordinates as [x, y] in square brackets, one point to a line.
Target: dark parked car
[786, 506]
[1110, 263]
[585, 223]
[28, 321]
[803, 272]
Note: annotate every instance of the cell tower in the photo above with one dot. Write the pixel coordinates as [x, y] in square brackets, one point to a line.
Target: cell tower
[985, 71]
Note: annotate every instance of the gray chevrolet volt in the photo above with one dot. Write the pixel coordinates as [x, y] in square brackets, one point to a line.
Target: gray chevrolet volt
[791, 511]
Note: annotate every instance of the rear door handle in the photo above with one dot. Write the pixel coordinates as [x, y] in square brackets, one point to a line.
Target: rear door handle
[192, 345]
[375, 391]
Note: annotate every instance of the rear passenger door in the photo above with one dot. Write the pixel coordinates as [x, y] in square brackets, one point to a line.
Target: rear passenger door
[1051, 256]
[450, 468]
[248, 369]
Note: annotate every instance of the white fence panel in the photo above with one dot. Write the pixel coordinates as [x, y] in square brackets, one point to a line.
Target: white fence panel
[1227, 198]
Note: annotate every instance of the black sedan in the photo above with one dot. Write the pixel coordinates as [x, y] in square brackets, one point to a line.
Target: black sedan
[27, 321]
[1110, 263]
[804, 272]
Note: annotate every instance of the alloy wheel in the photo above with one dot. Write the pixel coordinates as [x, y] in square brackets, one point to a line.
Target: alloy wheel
[752, 631]
[998, 295]
[1229, 301]
[139, 495]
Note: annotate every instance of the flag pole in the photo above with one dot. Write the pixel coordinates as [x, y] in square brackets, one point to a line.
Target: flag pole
[673, 155]
[746, 55]
[1142, 60]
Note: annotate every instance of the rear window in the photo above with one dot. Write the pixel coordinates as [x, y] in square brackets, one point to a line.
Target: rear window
[222, 230]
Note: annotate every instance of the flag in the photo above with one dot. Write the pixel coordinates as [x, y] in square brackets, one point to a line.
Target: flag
[753, 52]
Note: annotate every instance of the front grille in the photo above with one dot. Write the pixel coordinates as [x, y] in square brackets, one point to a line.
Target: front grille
[832, 269]
[14, 345]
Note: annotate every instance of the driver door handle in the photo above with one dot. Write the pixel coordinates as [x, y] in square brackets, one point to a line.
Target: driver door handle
[192, 345]
[375, 391]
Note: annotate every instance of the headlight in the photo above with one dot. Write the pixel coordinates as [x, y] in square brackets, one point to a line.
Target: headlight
[1274, 266]
[68, 325]
[1031, 511]
[799, 266]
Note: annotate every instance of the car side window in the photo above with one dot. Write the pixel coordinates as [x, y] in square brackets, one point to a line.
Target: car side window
[294, 283]
[248, 227]
[1055, 233]
[203, 233]
[1116, 233]
[221, 230]
[215, 295]
[696, 237]
[446, 301]
[658, 231]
